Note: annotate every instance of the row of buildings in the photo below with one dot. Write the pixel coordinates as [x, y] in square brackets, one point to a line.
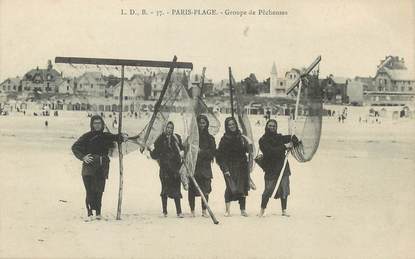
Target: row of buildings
[94, 84]
[392, 85]
[49, 87]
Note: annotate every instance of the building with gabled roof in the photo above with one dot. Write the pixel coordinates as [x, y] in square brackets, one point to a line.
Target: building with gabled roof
[11, 85]
[65, 86]
[394, 84]
[43, 80]
[157, 83]
[335, 89]
[91, 84]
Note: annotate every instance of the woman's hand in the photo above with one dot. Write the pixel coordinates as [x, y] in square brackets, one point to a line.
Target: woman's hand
[124, 137]
[289, 145]
[150, 148]
[88, 159]
[226, 173]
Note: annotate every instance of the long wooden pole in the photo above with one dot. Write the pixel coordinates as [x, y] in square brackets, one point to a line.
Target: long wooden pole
[231, 91]
[119, 143]
[157, 105]
[212, 216]
[288, 151]
[122, 62]
[202, 81]
[306, 72]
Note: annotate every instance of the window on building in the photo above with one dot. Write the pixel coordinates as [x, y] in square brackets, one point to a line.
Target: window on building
[410, 88]
[80, 86]
[14, 87]
[92, 86]
[67, 88]
[402, 88]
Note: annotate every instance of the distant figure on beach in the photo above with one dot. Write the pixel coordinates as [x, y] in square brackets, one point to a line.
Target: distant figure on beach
[268, 115]
[92, 149]
[168, 150]
[115, 124]
[273, 147]
[46, 123]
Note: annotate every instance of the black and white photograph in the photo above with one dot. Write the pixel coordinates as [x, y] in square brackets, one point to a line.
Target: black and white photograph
[207, 129]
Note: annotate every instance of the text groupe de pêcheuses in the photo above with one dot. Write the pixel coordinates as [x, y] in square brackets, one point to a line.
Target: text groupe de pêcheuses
[226, 12]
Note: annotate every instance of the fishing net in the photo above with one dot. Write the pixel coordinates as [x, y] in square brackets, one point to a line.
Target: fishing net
[169, 106]
[245, 126]
[194, 89]
[96, 90]
[307, 122]
[190, 135]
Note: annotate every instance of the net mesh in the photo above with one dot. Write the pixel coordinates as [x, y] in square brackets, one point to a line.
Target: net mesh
[245, 126]
[190, 136]
[194, 88]
[97, 91]
[308, 122]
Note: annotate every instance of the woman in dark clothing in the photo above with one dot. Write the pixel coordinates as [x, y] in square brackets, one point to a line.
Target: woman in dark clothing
[232, 160]
[273, 147]
[168, 150]
[92, 148]
[203, 171]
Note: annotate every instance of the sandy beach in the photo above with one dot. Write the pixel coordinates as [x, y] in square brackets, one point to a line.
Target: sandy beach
[355, 199]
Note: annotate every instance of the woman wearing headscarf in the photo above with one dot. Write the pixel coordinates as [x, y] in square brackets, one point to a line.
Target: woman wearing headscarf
[232, 160]
[168, 151]
[203, 171]
[92, 148]
[273, 146]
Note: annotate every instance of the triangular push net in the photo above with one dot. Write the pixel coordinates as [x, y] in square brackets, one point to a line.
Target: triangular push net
[245, 126]
[308, 122]
[190, 134]
[173, 106]
[97, 91]
[200, 107]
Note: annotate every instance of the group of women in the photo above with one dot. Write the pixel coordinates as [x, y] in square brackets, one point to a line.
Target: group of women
[168, 149]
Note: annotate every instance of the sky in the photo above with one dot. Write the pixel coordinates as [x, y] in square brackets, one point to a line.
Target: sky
[351, 36]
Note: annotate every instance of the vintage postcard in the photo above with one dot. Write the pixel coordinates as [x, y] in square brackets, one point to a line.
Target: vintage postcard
[207, 129]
